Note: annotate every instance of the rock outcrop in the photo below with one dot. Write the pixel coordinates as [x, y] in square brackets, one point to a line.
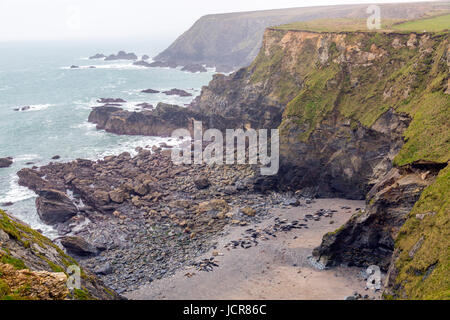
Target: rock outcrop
[122, 55]
[177, 92]
[33, 267]
[194, 68]
[161, 121]
[97, 56]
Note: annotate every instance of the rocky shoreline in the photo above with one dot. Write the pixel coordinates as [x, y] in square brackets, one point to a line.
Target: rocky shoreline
[136, 219]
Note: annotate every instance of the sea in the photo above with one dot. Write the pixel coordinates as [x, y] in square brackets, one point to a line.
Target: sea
[38, 75]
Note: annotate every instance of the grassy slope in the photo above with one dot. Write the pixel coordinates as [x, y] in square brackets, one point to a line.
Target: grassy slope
[27, 238]
[433, 24]
[426, 274]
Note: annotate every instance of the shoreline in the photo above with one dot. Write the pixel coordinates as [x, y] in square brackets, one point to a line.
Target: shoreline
[277, 268]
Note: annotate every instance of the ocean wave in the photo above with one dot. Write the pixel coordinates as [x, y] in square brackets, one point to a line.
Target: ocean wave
[117, 66]
[16, 192]
[26, 157]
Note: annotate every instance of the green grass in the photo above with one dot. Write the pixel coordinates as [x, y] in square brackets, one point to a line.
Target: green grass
[429, 24]
[332, 25]
[434, 24]
[425, 275]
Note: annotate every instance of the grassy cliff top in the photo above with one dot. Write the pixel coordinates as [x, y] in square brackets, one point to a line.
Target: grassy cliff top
[434, 23]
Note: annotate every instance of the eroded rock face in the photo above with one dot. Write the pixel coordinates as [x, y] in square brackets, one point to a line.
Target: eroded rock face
[161, 121]
[368, 238]
[54, 206]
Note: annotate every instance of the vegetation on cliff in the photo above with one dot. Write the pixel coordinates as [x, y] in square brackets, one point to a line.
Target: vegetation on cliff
[422, 260]
[33, 267]
[232, 40]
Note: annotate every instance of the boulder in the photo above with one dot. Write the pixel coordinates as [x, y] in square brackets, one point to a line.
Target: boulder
[202, 183]
[101, 198]
[54, 206]
[117, 196]
[5, 162]
[78, 246]
[215, 206]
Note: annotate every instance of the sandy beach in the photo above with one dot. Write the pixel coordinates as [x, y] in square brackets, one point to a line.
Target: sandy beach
[277, 268]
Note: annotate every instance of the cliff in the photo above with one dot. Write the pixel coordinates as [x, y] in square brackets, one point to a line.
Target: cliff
[362, 115]
[32, 267]
[229, 41]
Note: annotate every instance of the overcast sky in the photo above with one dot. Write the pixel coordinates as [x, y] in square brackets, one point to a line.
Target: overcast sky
[91, 19]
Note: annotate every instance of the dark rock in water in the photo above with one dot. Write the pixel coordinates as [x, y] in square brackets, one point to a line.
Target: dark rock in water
[202, 183]
[7, 204]
[145, 57]
[54, 206]
[74, 67]
[92, 67]
[177, 92]
[150, 91]
[98, 56]
[56, 157]
[161, 64]
[78, 246]
[160, 121]
[110, 100]
[194, 68]
[142, 63]
[122, 55]
[23, 108]
[6, 162]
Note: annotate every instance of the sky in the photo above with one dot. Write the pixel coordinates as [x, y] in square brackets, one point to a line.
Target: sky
[35, 20]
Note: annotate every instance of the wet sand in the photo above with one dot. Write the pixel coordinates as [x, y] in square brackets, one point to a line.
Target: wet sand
[274, 269]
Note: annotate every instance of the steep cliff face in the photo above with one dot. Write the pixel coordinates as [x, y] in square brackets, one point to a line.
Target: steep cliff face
[232, 40]
[361, 115]
[33, 267]
[342, 102]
